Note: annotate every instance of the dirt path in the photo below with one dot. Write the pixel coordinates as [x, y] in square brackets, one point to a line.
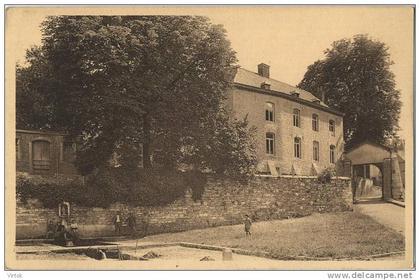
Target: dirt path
[388, 214]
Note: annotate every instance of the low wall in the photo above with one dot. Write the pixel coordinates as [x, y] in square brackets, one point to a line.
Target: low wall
[223, 203]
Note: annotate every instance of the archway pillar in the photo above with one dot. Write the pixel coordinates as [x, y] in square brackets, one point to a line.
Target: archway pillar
[347, 170]
[397, 186]
[387, 178]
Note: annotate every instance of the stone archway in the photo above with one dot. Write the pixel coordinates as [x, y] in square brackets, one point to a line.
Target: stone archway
[368, 181]
[368, 153]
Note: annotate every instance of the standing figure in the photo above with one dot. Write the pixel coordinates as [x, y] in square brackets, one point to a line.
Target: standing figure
[117, 223]
[131, 222]
[248, 224]
[74, 231]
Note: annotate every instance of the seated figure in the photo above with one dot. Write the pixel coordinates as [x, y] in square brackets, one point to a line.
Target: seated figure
[51, 228]
[63, 236]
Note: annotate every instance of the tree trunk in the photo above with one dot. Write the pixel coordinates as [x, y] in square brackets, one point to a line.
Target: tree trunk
[146, 142]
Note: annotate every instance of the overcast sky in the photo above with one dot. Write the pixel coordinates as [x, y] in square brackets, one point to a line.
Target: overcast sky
[285, 37]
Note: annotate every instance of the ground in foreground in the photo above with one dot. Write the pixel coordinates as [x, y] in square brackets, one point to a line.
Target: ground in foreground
[333, 235]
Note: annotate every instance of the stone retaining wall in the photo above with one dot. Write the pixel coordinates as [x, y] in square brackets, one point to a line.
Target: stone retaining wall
[223, 203]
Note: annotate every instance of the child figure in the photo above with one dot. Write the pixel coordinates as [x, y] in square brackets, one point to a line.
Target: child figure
[118, 223]
[248, 224]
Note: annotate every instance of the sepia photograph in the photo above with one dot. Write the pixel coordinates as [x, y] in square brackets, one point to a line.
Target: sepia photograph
[209, 137]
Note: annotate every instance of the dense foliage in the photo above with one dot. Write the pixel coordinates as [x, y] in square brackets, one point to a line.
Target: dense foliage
[355, 78]
[150, 88]
[51, 194]
[154, 188]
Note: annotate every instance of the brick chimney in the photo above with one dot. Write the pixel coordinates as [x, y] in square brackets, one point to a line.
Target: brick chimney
[264, 70]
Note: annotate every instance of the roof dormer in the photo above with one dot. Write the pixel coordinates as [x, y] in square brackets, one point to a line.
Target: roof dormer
[295, 94]
[265, 85]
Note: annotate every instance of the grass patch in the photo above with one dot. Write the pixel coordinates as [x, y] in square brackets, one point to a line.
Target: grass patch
[335, 235]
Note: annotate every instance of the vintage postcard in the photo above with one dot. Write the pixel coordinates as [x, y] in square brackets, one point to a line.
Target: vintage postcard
[209, 137]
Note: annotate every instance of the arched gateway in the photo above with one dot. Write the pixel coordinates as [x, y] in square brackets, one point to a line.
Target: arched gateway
[375, 171]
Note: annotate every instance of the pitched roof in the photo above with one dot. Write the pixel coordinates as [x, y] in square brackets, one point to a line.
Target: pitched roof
[368, 142]
[246, 77]
[41, 131]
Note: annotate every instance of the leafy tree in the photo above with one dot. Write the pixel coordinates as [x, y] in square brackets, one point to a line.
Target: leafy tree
[395, 143]
[355, 78]
[227, 147]
[134, 84]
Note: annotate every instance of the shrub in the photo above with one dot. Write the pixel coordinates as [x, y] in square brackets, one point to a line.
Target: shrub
[196, 181]
[157, 187]
[326, 175]
[49, 193]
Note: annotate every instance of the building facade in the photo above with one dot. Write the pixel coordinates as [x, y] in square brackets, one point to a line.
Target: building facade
[297, 134]
[45, 153]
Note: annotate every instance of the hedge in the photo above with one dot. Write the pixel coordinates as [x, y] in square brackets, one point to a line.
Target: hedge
[110, 185]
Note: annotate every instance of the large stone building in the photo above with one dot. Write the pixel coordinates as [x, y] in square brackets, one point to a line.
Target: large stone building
[296, 132]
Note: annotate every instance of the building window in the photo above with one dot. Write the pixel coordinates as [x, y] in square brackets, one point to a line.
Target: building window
[41, 155]
[296, 117]
[298, 148]
[315, 122]
[269, 143]
[332, 127]
[141, 163]
[17, 149]
[69, 151]
[269, 111]
[316, 151]
[332, 154]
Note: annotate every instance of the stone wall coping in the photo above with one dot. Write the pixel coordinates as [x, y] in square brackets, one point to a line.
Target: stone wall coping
[256, 175]
[41, 132]
[342, 178]
[299, 177]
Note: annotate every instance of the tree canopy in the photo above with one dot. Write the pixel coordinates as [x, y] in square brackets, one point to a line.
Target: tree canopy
[355, 78]
[151, 88]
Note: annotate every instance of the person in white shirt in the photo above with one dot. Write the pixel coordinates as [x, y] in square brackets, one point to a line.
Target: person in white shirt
[117, 223]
